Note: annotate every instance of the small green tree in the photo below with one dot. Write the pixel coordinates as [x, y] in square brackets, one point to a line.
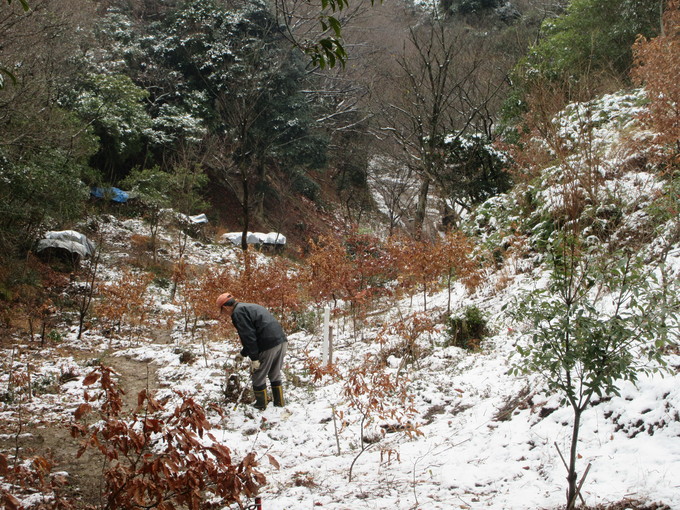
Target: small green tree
[186, 184]
[158, 190]
[601, 320]
[152, 187]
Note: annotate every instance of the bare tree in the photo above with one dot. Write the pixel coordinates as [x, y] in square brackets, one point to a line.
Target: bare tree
[371, 32]
[88, 288]
[448, 87]
[38, 47]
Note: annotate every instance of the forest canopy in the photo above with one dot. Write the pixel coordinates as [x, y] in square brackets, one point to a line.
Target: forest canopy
[269, 110]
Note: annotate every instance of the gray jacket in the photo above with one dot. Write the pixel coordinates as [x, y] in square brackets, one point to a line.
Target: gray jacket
[257, 329]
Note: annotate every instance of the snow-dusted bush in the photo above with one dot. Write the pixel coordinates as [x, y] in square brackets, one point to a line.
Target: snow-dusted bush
[602, 319]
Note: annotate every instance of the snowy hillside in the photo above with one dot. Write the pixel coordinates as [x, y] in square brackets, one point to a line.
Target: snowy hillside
[465, 434]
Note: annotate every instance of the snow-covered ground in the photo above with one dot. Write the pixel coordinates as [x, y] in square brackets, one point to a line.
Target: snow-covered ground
[471, 454]
[485, 438]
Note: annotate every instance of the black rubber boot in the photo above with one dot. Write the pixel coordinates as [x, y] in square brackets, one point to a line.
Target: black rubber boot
[277, 392]
[260, 399]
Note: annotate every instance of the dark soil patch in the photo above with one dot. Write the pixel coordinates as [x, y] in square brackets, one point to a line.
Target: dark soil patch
[55, 443]
[628, 504]
[504, 413]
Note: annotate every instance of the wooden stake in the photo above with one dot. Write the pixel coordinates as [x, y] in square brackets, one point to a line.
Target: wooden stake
[335, 426]
[561, 457]
[580, 483]
[578, 489]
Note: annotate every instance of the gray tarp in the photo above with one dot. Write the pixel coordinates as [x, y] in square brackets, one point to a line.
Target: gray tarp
[68, 240]
[199, 218]
[275, 238]
[255, 238]
[192, 220]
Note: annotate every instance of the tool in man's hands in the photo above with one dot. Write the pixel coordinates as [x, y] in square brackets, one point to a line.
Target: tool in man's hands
[257, 505]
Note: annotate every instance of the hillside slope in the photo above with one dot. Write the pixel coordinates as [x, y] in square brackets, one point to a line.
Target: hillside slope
[464, 433]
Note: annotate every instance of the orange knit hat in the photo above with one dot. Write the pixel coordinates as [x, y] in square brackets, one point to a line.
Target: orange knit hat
[225, 299]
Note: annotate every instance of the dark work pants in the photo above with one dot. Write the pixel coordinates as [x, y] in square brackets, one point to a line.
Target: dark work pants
[271, 362]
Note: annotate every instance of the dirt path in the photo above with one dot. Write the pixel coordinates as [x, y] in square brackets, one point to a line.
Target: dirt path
[135, 376]
[55, 441]
[85, 471]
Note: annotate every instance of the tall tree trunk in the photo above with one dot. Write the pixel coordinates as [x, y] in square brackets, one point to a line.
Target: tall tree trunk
[246, 212]
[571, 477]
[421, 208]
[259, 190]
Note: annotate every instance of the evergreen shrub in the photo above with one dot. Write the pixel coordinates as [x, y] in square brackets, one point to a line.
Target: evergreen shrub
[467, 329]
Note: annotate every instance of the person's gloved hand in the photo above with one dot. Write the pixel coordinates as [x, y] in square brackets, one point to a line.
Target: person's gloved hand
[254, 365]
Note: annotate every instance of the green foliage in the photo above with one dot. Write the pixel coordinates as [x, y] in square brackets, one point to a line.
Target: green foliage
[502, 220]
[176, 107]
[55, 336]
[664, 208]
[36, 193]
[179, 188]
[582, 53]
[467, 329]
[158, 190]
[472, 170]
[592, 36]
[252, 84]
[151, 186]
[216, 78]
[114, 105]
[186, 184]
[162, 282]
[329, 51]
[600, 320]
[468, 6]
[301, 183]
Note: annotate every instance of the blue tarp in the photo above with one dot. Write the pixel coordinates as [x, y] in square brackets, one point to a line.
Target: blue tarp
[114, 194]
